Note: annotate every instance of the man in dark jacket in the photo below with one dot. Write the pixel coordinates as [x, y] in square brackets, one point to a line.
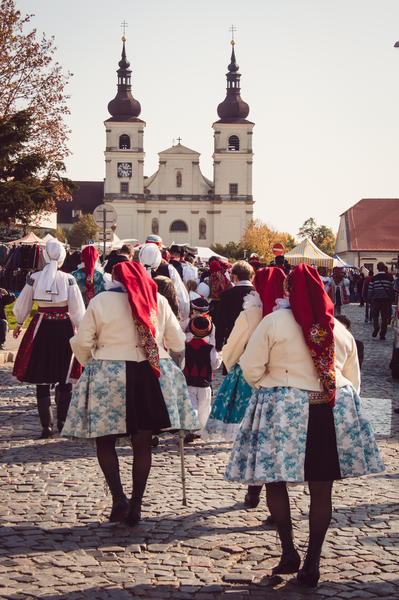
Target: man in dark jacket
[231, 301]
[380, 290]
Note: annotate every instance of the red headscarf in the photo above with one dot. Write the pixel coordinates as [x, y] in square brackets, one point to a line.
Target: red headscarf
[268, 283]
[142, 293]
[338, 275]
[89, 256]
[314, 311]
[214, 266]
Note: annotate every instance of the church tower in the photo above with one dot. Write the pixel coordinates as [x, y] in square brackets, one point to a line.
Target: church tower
[124, 153]
[233, 144]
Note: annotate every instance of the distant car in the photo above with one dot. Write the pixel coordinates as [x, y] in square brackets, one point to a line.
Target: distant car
[394, 364]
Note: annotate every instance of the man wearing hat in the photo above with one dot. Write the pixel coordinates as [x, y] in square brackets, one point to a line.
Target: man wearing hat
[201, 358]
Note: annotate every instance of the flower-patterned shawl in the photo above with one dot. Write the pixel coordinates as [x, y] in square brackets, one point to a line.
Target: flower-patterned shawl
[89, 258]
[314, 312]
[142, 293]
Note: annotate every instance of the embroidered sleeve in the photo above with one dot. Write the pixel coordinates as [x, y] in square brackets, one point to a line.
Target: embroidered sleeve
[30, 281]
[72, 281]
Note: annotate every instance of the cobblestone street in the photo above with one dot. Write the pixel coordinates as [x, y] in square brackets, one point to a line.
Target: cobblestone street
[56, 542]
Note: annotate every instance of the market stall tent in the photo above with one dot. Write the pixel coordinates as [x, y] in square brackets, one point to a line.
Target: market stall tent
[307, 252]
[31, 238]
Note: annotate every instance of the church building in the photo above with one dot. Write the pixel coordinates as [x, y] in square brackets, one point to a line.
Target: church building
[177, 202]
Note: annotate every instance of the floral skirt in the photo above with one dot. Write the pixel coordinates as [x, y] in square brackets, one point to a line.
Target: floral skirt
[229, 407]
[175, 393]
[272, 442]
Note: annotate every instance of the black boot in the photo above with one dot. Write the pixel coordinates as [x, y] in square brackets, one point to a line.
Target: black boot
[252, 497]
[62, 400]
[310, 573]
[290, 560]
[46, 417]
[120, 504]
[134, 514]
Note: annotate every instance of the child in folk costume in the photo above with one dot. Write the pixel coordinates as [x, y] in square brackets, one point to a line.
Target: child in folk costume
[201, 358]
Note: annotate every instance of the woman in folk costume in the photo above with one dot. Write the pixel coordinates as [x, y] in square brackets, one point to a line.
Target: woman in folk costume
[338, 289]
[89, 279]
[44, 356]
[119, 394]
[305, 420]
[218, 282]
[231, 402]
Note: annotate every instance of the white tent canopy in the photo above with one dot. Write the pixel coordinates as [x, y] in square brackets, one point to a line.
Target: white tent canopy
[307, 252]
[206, 253]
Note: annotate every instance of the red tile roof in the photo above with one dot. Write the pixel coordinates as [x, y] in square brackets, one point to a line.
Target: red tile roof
[373, 224]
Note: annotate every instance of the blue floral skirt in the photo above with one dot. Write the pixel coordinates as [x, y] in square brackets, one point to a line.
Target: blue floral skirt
[98, 405]
[229, 408]
[272, 441]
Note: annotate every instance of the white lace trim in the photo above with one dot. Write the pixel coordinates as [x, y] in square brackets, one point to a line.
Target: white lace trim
[250, 300]
[281, 303]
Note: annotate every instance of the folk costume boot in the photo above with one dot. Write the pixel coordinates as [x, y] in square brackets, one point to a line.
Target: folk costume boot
[134, 514]
[120, 504]
[62, 400]
[252, 497]
[46, 417]
[290, 560]
[310, 572]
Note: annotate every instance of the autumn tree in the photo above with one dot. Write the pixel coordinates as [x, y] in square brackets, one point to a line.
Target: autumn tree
[24, 190]
[31, 80]
[323, 237]
[231, 250]
[83, 230]
[260, 237]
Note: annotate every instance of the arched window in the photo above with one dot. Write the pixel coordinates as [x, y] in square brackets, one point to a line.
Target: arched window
[234, 143]
[178, 226]
[124, 142]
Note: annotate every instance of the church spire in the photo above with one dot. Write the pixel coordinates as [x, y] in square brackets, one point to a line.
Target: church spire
[233, 107]
[124, 106]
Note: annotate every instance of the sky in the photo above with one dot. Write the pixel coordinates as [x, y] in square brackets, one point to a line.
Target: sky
[321, 78]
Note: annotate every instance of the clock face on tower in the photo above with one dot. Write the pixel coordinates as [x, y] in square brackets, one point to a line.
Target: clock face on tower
[124, 169]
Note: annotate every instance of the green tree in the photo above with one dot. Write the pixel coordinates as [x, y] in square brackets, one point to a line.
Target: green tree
[231, 250]
[61, 234]
[30, 79]
[290, 243]
[83, 230]
[23, 193]
[323, 237]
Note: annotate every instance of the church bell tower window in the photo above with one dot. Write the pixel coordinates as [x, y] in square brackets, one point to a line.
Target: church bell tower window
[233, 189]
[234, 143]
[124, 142]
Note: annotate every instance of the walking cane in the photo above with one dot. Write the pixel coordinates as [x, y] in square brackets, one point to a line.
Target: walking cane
[183, 472]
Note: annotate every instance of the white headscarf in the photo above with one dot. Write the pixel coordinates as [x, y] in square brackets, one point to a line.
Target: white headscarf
[51, 288]
[150, 257]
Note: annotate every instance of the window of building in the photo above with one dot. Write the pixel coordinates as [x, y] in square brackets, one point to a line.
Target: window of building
[233, 189]
[124, 142]
[76, 213]
[234, 143]
[124, 188]
[178, 226]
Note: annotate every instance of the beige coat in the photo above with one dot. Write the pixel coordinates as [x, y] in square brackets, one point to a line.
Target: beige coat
[277, 356]
[108, 331]
[245, 325]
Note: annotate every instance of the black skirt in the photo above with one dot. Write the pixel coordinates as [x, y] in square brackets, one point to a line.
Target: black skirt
[145, 406]
[321, 454]
[51, 353]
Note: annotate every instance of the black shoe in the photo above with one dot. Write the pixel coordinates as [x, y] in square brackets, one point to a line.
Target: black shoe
[47, 432]
[134, 514]
[154, 441]
[251, 500]
[375, 332]
[290, 559]
[119, 510]
[309, 575]
[382, 338]
[188, 438]
[269, 520]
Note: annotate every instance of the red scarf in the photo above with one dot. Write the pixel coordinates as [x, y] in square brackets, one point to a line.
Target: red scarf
[89, 257]
[142, 293]
[314, 312]
[268, 283]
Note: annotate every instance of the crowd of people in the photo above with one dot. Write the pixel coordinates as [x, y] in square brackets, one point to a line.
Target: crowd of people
[131, 343]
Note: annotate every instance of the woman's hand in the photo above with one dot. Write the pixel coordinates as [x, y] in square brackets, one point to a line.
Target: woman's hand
[16, 332]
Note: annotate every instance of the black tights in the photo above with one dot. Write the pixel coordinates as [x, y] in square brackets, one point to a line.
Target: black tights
[108, 458]
[43, 391]
[320, 504]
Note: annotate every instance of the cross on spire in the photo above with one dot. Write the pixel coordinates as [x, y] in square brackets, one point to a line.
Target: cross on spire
[233, 30]
[179, 140]
[124, 25]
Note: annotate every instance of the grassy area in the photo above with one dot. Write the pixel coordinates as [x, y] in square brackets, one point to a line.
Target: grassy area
[12, 322]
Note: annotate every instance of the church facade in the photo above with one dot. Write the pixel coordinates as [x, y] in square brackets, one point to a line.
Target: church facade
[177, 202]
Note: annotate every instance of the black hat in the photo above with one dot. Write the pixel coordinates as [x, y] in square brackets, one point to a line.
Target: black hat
[200, 326]
[200, 304]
